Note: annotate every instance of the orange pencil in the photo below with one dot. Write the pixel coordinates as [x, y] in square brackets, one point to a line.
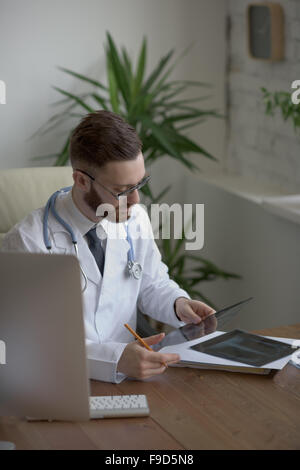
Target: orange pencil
[143, 343]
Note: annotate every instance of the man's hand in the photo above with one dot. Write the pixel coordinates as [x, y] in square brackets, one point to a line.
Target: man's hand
[139, 363]
[191, 311]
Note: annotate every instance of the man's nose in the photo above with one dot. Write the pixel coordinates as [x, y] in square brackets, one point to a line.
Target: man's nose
[133, 197]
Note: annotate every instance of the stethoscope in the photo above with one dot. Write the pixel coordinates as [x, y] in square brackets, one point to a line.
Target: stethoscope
[134, 268]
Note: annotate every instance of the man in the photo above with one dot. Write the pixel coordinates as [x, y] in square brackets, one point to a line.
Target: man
[106, 156]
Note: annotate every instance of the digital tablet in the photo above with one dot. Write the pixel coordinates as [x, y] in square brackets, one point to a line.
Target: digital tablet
[248, 348]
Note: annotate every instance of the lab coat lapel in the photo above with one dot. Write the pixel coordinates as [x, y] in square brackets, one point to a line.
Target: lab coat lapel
[114, 296]
[116, 251]
[63, 242]
[87, 260]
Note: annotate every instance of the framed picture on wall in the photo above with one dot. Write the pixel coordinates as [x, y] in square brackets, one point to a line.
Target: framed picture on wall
[265, 31]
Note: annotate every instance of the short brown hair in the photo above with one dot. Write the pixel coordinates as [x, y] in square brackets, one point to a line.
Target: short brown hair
[101, 137]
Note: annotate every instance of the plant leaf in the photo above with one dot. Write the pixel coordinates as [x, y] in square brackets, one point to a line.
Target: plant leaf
[112, 86]
[83, 78]
[160, 136]
[118, 69]
[140, 70]
[156, 72]
[64, 154]
[75, 98]
[165, 76]
[127, 63]
[100, 100]
[53, 121]
[160, 195]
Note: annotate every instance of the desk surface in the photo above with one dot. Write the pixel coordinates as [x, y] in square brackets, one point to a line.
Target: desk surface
[189, 409]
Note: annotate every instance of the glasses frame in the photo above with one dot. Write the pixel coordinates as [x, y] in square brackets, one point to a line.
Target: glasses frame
[117, 196]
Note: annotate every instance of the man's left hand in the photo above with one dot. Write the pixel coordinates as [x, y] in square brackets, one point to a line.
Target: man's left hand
[192, 311]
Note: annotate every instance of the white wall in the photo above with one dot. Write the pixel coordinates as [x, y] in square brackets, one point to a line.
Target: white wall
[262, 147]
[38, 35]
[241, 237]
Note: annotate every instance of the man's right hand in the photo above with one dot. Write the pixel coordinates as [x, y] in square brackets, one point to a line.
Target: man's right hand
[139, 363]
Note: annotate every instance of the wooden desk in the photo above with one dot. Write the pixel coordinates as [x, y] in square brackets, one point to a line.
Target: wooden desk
[189, 409]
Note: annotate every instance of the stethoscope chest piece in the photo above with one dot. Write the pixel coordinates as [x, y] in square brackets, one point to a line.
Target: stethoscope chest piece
[135, 269]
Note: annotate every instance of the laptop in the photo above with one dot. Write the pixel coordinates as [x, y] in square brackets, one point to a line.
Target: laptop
[41, 325]
[45, 372]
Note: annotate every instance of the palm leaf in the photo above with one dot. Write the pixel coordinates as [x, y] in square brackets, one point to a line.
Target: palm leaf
[191, 124]
[192, 83]
[165, 76]
[112, 86]
[193, 115]
[182, 103]
[75, 98]
[166, 98]
[160, 136]
[100, 100]
[140, 70]
[53, 121]
[160, 195]
[66, 100]
[127, 63]
[83, 78]
[146, 190]
[118, 69]
[187, 145]
[64, 155]
[157, 71]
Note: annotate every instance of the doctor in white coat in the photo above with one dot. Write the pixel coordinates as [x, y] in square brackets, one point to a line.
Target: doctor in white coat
[106, 156]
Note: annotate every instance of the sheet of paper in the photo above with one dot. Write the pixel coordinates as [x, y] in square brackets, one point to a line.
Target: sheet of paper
[187, 354]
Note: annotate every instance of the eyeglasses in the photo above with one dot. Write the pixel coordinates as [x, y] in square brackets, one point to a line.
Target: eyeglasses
[117, 196]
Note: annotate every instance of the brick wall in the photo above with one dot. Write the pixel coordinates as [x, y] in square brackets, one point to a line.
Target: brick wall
[265, 148]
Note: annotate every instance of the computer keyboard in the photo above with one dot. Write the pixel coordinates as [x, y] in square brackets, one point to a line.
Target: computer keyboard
[118, 406]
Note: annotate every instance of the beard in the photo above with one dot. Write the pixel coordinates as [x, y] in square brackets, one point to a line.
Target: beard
[93, 201]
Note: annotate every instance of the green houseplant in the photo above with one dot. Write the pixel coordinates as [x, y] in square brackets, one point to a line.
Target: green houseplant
[282, 100]
[154, 107]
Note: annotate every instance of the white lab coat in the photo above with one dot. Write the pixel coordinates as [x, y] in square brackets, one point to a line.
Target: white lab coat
[112, 301]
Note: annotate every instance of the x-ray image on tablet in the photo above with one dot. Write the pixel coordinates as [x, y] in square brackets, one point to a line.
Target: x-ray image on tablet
[240, 346]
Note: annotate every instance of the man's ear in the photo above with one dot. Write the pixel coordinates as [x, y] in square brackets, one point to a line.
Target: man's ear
[81, 181]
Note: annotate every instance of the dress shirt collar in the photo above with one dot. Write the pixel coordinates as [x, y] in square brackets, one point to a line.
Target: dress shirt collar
[77, 218]
[82, 224]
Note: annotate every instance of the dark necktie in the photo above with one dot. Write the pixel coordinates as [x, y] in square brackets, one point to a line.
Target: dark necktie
[96, 248]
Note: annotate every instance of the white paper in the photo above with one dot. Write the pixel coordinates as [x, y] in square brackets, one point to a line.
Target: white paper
[187, 354]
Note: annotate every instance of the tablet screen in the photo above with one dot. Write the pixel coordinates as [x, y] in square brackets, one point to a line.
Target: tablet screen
[240, 346]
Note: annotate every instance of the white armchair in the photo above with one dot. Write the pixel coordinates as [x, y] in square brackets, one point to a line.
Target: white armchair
[24, 189]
